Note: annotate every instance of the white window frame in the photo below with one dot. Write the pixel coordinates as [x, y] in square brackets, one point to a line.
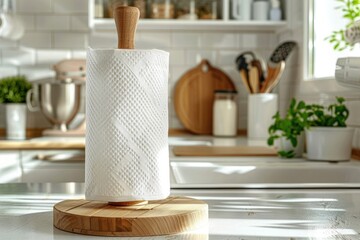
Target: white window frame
[309, 61]
[310, 86]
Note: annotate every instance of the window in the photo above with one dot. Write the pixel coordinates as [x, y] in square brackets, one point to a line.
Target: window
[324, 18]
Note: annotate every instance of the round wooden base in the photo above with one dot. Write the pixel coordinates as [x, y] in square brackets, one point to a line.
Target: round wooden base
[162, 217]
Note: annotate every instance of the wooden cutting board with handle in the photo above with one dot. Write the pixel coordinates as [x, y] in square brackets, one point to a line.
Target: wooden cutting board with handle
[194, 96]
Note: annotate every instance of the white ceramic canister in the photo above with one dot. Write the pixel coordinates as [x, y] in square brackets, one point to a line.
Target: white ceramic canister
[261, 108]
[225, 113]
[241, 9]
[16, 121]
[261, 10]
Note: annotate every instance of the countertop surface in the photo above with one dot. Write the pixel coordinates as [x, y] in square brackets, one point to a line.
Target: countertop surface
[74, 143]
[61, 143]
[26, 213]
[41, 143]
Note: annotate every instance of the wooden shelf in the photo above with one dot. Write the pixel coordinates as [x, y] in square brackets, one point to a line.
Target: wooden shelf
[222, 24]
[150, 24]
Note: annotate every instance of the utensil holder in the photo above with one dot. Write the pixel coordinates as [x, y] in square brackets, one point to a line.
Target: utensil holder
[261, 109]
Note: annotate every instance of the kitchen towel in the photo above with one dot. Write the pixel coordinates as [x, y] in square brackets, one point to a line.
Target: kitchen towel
[127, 153]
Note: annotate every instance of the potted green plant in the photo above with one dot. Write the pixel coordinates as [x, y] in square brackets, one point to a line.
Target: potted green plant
[13, 92]
[289, 131]
[327, 136]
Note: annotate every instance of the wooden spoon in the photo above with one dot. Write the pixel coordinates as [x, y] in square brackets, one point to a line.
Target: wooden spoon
[276, 77]
[254, 79]
[245, 80]
[268, 80]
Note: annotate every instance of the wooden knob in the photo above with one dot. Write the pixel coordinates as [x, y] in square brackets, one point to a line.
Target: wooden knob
[126, 19]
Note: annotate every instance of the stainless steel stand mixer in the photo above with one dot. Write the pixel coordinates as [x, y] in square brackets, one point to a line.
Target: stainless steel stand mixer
[59, 98]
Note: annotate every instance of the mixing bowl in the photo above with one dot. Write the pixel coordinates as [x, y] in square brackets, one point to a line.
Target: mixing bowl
[59, 101]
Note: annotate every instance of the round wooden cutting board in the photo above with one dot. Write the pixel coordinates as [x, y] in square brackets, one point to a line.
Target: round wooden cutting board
[194, 96]
[169, 216]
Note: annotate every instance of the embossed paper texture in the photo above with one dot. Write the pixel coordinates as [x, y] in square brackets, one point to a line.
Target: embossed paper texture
[127, 153]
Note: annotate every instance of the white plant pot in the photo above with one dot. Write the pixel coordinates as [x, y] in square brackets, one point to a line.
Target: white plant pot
[329, 143]
[285, 145]
[15, 121]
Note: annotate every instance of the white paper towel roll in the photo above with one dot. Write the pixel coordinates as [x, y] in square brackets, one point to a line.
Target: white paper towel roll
[127, 156]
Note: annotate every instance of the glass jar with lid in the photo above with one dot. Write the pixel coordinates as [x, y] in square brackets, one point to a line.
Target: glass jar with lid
[207, 9]
[141, 5]
[162, 9]
[112, 3]
[186, 9]
[225, 113]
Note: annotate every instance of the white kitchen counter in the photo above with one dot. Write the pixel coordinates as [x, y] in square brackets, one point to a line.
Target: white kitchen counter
[186, 172]
[26, 213]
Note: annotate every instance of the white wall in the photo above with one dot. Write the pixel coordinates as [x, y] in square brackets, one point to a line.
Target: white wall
[58, 29]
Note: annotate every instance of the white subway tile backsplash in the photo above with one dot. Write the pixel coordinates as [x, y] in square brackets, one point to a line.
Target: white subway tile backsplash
[354, 116]
[78, 54]
[356, 138]
[52, 22]
[2, 116]
[177, 57]
[37, 40]
[242, 123]
[36, 120]
[286, 90]
[242, 92]
[227, 57]
[6, 71]
[175, 74]
[4, 43]
[36, 73]
[33, 6]
[49, 57]
[291, 75]
[194, 57]
[234, 75]
[186, 39]
[149, 40]
[18, 57]
[219, 40]
[28, 21]
[177, 71]
[70, 6]
[249, 41]
[176, 124]
[104, 41]
[242, 113]
[79, 22]
[258, 41]
[66, 40]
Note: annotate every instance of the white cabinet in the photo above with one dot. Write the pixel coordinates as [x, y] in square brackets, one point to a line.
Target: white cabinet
[10, 170]
[223, 21]
[52, 166]
[30, 166]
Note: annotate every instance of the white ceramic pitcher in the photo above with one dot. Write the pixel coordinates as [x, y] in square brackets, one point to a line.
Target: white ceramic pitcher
[241, 9]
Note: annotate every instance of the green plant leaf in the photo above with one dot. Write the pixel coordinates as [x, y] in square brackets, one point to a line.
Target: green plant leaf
[351, 12]
[14, 89]
[286, 154]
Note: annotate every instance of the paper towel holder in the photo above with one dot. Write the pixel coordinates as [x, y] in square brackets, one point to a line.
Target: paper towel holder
[171, 215]
[126, 19]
